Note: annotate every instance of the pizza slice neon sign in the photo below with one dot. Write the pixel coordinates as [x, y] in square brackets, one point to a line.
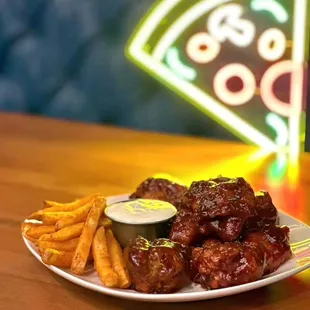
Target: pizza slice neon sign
[231, 59]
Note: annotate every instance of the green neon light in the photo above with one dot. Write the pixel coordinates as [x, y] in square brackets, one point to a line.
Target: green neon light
[279, 126]
[175, 64]
[272, 6]
[278, 168]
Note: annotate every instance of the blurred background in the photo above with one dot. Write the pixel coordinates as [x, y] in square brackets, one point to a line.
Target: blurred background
[65, 59]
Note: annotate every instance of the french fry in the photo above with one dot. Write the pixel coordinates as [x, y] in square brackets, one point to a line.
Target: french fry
[67, 233]
[102, 259]
[105, 222]
[85, 242]
[57, 258]
[51, 218]
[36, 215]
[25, 228]
[117, 260]
[37, 231]
[67, 246]
[70, 206]
[35, 241]
[77, 216]
[52, 206]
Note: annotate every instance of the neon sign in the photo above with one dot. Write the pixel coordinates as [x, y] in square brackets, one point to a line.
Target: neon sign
[240, 62]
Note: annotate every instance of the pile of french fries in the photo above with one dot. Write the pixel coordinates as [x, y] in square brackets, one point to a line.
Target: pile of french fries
[71, 235]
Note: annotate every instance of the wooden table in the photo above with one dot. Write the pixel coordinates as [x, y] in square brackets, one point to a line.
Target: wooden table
[47, 159]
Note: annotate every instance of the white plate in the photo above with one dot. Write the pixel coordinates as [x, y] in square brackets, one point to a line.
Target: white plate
[300, 242]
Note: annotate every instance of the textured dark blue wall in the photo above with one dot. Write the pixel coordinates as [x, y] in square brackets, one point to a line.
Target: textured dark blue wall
[65, 59]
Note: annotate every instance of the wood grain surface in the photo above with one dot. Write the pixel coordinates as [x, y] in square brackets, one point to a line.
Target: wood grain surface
[56, 160]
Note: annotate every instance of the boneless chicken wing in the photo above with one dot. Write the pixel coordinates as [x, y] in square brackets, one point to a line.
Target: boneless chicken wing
[274, 241]
[218, 265]
[185, 228]
[220, 207]
[160, 189]
[220, 197]
[265, 213]
[226, 229]
[156, 267]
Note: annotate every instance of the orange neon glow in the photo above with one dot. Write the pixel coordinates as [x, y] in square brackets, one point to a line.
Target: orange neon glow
[271, 44]
[230, 71]
[288, 199]
[202, 48]
[244, 165]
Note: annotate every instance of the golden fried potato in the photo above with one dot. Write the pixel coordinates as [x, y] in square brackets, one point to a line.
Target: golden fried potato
[35, 241]
[67, 233]
[117, 260]
[82, 251]
[51, 218]
[25, 228]
[77, 216]
[57, 258]
[36, 215]
[52, 206]
[105, 222]
[102, 259]
[37, 231]
[66, 246]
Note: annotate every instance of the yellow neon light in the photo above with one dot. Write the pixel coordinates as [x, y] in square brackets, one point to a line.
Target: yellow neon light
[174, 62]
[183, 22]
[149, 24]
[273, 7]
[235, 98]
[199, 55]
[272, 52]
[225, 23]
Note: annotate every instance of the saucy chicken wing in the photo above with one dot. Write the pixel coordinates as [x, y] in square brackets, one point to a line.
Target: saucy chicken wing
[160, 189]
[157, 267]
[218, 265]
[265, 213]
[185, 228]
[219, 208]
[274, 241]
[220, 197]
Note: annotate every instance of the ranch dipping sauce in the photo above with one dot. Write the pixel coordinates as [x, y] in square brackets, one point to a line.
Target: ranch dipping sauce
[140, 211]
